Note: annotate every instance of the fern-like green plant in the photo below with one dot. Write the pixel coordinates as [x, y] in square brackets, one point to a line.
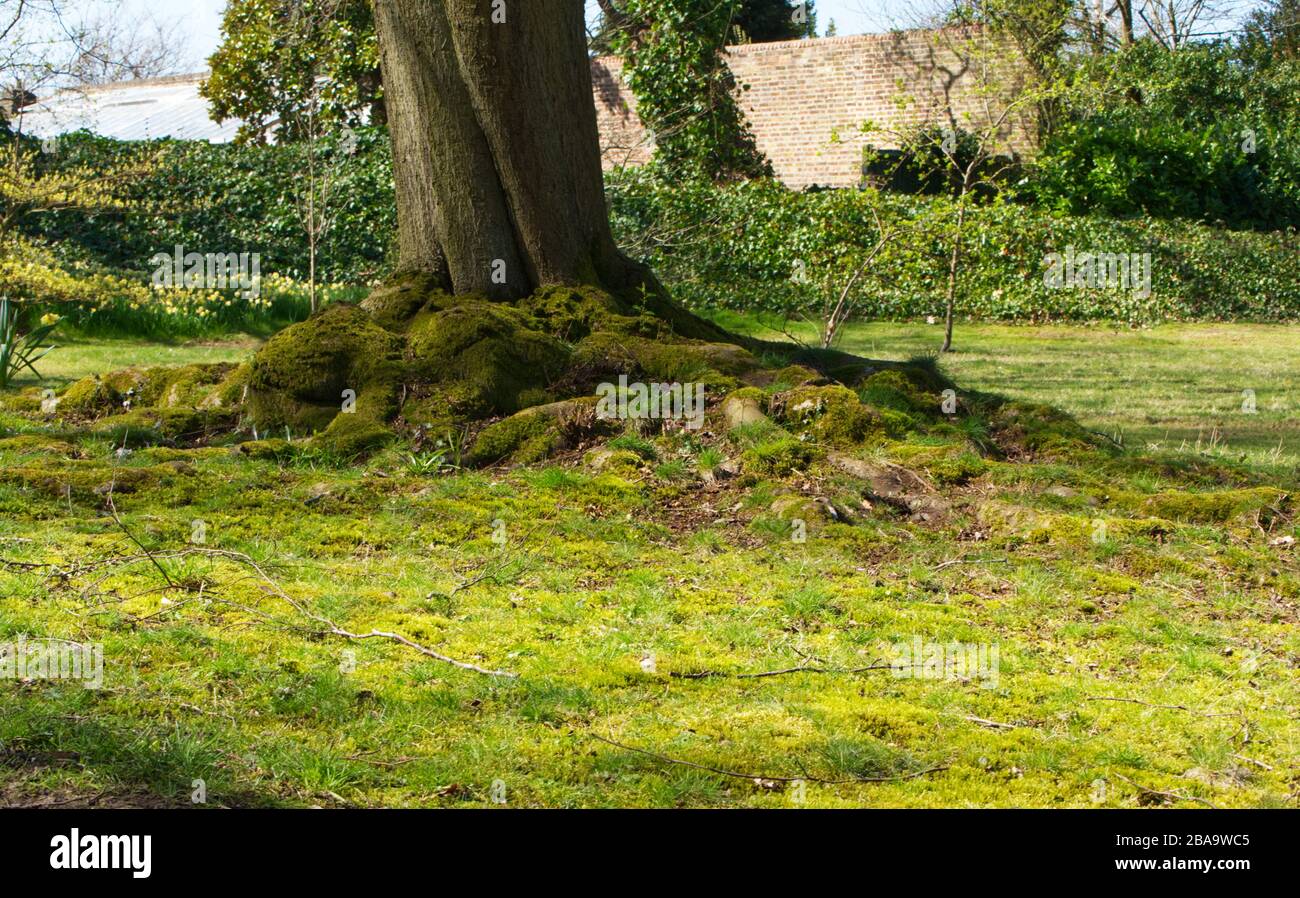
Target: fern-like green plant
[19, 351]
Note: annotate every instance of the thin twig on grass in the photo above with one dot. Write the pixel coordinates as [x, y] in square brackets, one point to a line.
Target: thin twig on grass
[1178, 796]
[1136, 701]
[1260, 764]
[112, 509]
[24, 565]
[492, 569]
[992, 724]
[275, 590]
[802, 668]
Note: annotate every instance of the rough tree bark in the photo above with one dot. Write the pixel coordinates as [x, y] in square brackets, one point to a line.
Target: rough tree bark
[496, 154]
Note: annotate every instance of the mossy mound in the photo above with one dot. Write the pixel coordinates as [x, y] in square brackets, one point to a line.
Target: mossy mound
[793, 507]
[831, 415]
[306, 373]
[232, 390]
[571, 314]
[620, 462]
[153, 426]
[216, 386]
[744, 407]
[1218, 507]
[137, 407]
[526, 437]
[415, 358]
[904, 390]
[719, 367]
[392, 304]
[780, 457]
[87, 481]
[271, 450]
[1029, 429]
[540, 431]
[27, 401]
[795, 376]
[352, 434]
[90, 398]
[514, 382]
[38, 444]
[492, 356]
[191, 386]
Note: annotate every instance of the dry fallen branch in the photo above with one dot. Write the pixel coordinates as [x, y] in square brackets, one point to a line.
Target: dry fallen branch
[1177, 796]
[273, 588]
[1259, 764]
[763, 777]
[992, 724]
[802, 668]
[335, 630]
[1136, 701]
[423, 650]
[24, 565]
[112, 508]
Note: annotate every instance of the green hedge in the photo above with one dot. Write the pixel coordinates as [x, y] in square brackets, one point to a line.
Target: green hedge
[744, 246]
[1211, 132]
[230, 198]
[753, 246]
[1117, 165]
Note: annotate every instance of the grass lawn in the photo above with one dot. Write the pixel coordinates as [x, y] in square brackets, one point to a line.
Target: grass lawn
[1176, 386]
[673, 640]
[77, 357]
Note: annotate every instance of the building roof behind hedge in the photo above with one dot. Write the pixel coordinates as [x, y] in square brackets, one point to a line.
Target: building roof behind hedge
[131, 110]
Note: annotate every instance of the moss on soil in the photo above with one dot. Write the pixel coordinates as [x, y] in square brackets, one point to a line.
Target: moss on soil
[647, 583]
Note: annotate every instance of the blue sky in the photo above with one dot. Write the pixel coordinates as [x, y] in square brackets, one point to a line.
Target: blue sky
[200, 20]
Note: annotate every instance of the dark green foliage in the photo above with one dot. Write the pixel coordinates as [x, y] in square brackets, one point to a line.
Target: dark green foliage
[758, 21]
[742, 246]
[934, 160]
[1273, 31]
[1210, 132]
[1123, 166]
[776, 20]
[685, 93]
[282, 63]
[225, 198]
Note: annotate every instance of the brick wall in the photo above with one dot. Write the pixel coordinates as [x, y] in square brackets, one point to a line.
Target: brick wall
[623, 140]
[806, 99]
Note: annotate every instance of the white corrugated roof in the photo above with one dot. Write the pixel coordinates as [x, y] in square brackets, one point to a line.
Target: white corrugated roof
[131, 110]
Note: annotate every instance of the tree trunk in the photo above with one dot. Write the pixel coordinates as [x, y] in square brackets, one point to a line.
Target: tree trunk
[1126, 22]
[496, 165]
[496, 157]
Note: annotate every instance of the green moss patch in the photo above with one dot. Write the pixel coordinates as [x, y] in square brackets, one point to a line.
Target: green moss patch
[832, 415]
[486, 352]
[780, 457]
[300, 377]
[1208, 507]
[38, 444]
[1029, 429]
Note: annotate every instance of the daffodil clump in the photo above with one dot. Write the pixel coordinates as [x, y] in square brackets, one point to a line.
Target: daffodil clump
[98, 300]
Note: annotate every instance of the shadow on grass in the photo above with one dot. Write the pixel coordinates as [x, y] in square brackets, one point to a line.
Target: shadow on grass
[124, 766]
